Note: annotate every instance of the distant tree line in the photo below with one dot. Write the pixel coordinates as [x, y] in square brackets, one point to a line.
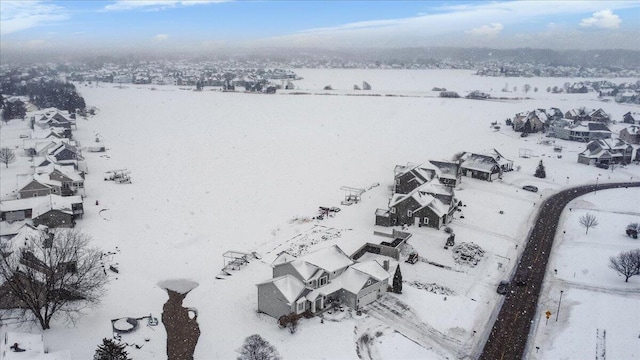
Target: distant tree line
[46, 93]
[12, 109]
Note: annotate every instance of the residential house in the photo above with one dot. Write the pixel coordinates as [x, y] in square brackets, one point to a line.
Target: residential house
[53, 117]
[566, 129]
[631, 118]
[423, 207]
[450, 172]
[530, 121]
[489, 165]
[554, 114]
[33, 188]
[599, 116]
[410, 176]
[65, 182]
[577, 115]
[631, 134]
[606, 151]
[64, 153]
[583, 115]
[29, 208]
[315, 281]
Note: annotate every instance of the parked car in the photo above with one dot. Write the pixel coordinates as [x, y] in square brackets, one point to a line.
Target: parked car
[530, 188]
[502, 287]
[524, 134]
[602, 166]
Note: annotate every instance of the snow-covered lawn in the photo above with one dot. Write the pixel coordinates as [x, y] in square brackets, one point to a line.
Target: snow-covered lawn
[217, 171]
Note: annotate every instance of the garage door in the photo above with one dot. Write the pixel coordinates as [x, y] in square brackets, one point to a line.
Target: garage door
[368, 298]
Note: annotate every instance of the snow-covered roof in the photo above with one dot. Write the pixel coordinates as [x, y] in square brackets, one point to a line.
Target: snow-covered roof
[283, 258]
[330, 259]
[437, 206]
[480, 163]
[353, 280]
[289, 286]
[372, 268]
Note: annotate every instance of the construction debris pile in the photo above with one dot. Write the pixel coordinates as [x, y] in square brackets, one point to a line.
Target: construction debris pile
[433, 287]
[467, 254]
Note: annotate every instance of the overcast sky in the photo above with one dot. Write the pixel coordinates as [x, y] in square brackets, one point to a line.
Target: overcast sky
[206, 24]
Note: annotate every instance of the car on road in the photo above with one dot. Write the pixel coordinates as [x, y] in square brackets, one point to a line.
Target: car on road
[502, 287]
[530, 188]
[521, 278]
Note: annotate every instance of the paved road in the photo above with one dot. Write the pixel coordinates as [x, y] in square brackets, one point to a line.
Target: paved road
[508, 338]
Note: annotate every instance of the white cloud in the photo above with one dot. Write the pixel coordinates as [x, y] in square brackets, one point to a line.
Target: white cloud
[161, 37]
[487, 30]
[441, 26]
[604, 19]
[155, 5]
[22, 15]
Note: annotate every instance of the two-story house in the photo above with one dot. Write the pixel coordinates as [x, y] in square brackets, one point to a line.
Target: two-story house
[315, 281]
[606, 151]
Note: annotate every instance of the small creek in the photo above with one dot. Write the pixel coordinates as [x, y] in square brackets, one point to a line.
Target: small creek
[180, 323]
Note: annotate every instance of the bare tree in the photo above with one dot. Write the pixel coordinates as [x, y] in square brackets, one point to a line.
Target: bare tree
[457, 157]
[588, 221]
[52, 274]
[627, 263]
[257, 348]
[7, 156]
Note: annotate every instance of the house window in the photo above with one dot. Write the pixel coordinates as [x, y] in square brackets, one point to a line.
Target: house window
[397, 181]
[409, 213]
[323, 281]
[425, 220]
[393, 210]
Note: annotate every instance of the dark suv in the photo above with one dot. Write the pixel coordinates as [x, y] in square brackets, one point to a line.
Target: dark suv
[502, 287]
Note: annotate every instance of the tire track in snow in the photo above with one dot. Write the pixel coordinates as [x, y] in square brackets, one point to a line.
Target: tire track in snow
[401, 318]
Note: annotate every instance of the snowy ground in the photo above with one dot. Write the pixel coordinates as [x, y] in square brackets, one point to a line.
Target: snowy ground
[217, 171]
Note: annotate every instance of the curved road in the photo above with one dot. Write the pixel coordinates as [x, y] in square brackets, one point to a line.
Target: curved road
[508, 338]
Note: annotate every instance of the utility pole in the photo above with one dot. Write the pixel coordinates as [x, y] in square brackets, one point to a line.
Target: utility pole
[558, 312]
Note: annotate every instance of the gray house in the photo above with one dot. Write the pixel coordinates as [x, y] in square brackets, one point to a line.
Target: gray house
[606, 151]
[315, 281]
[489, 165]
[631, 134]
[566, 129]
[432, 204]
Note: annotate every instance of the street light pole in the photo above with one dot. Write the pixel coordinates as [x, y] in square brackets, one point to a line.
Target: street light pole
[596, 190]
[558, 312]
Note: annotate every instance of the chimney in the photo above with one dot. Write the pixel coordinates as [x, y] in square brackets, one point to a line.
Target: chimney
[385, 265]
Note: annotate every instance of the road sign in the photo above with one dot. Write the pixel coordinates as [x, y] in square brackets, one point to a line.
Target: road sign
[548, 314]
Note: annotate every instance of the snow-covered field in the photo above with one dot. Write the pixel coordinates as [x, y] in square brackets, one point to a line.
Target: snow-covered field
[217, 171]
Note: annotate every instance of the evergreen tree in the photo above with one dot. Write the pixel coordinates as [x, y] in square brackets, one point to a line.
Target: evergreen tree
[109, 350]
[540, 172]
[397, 281]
